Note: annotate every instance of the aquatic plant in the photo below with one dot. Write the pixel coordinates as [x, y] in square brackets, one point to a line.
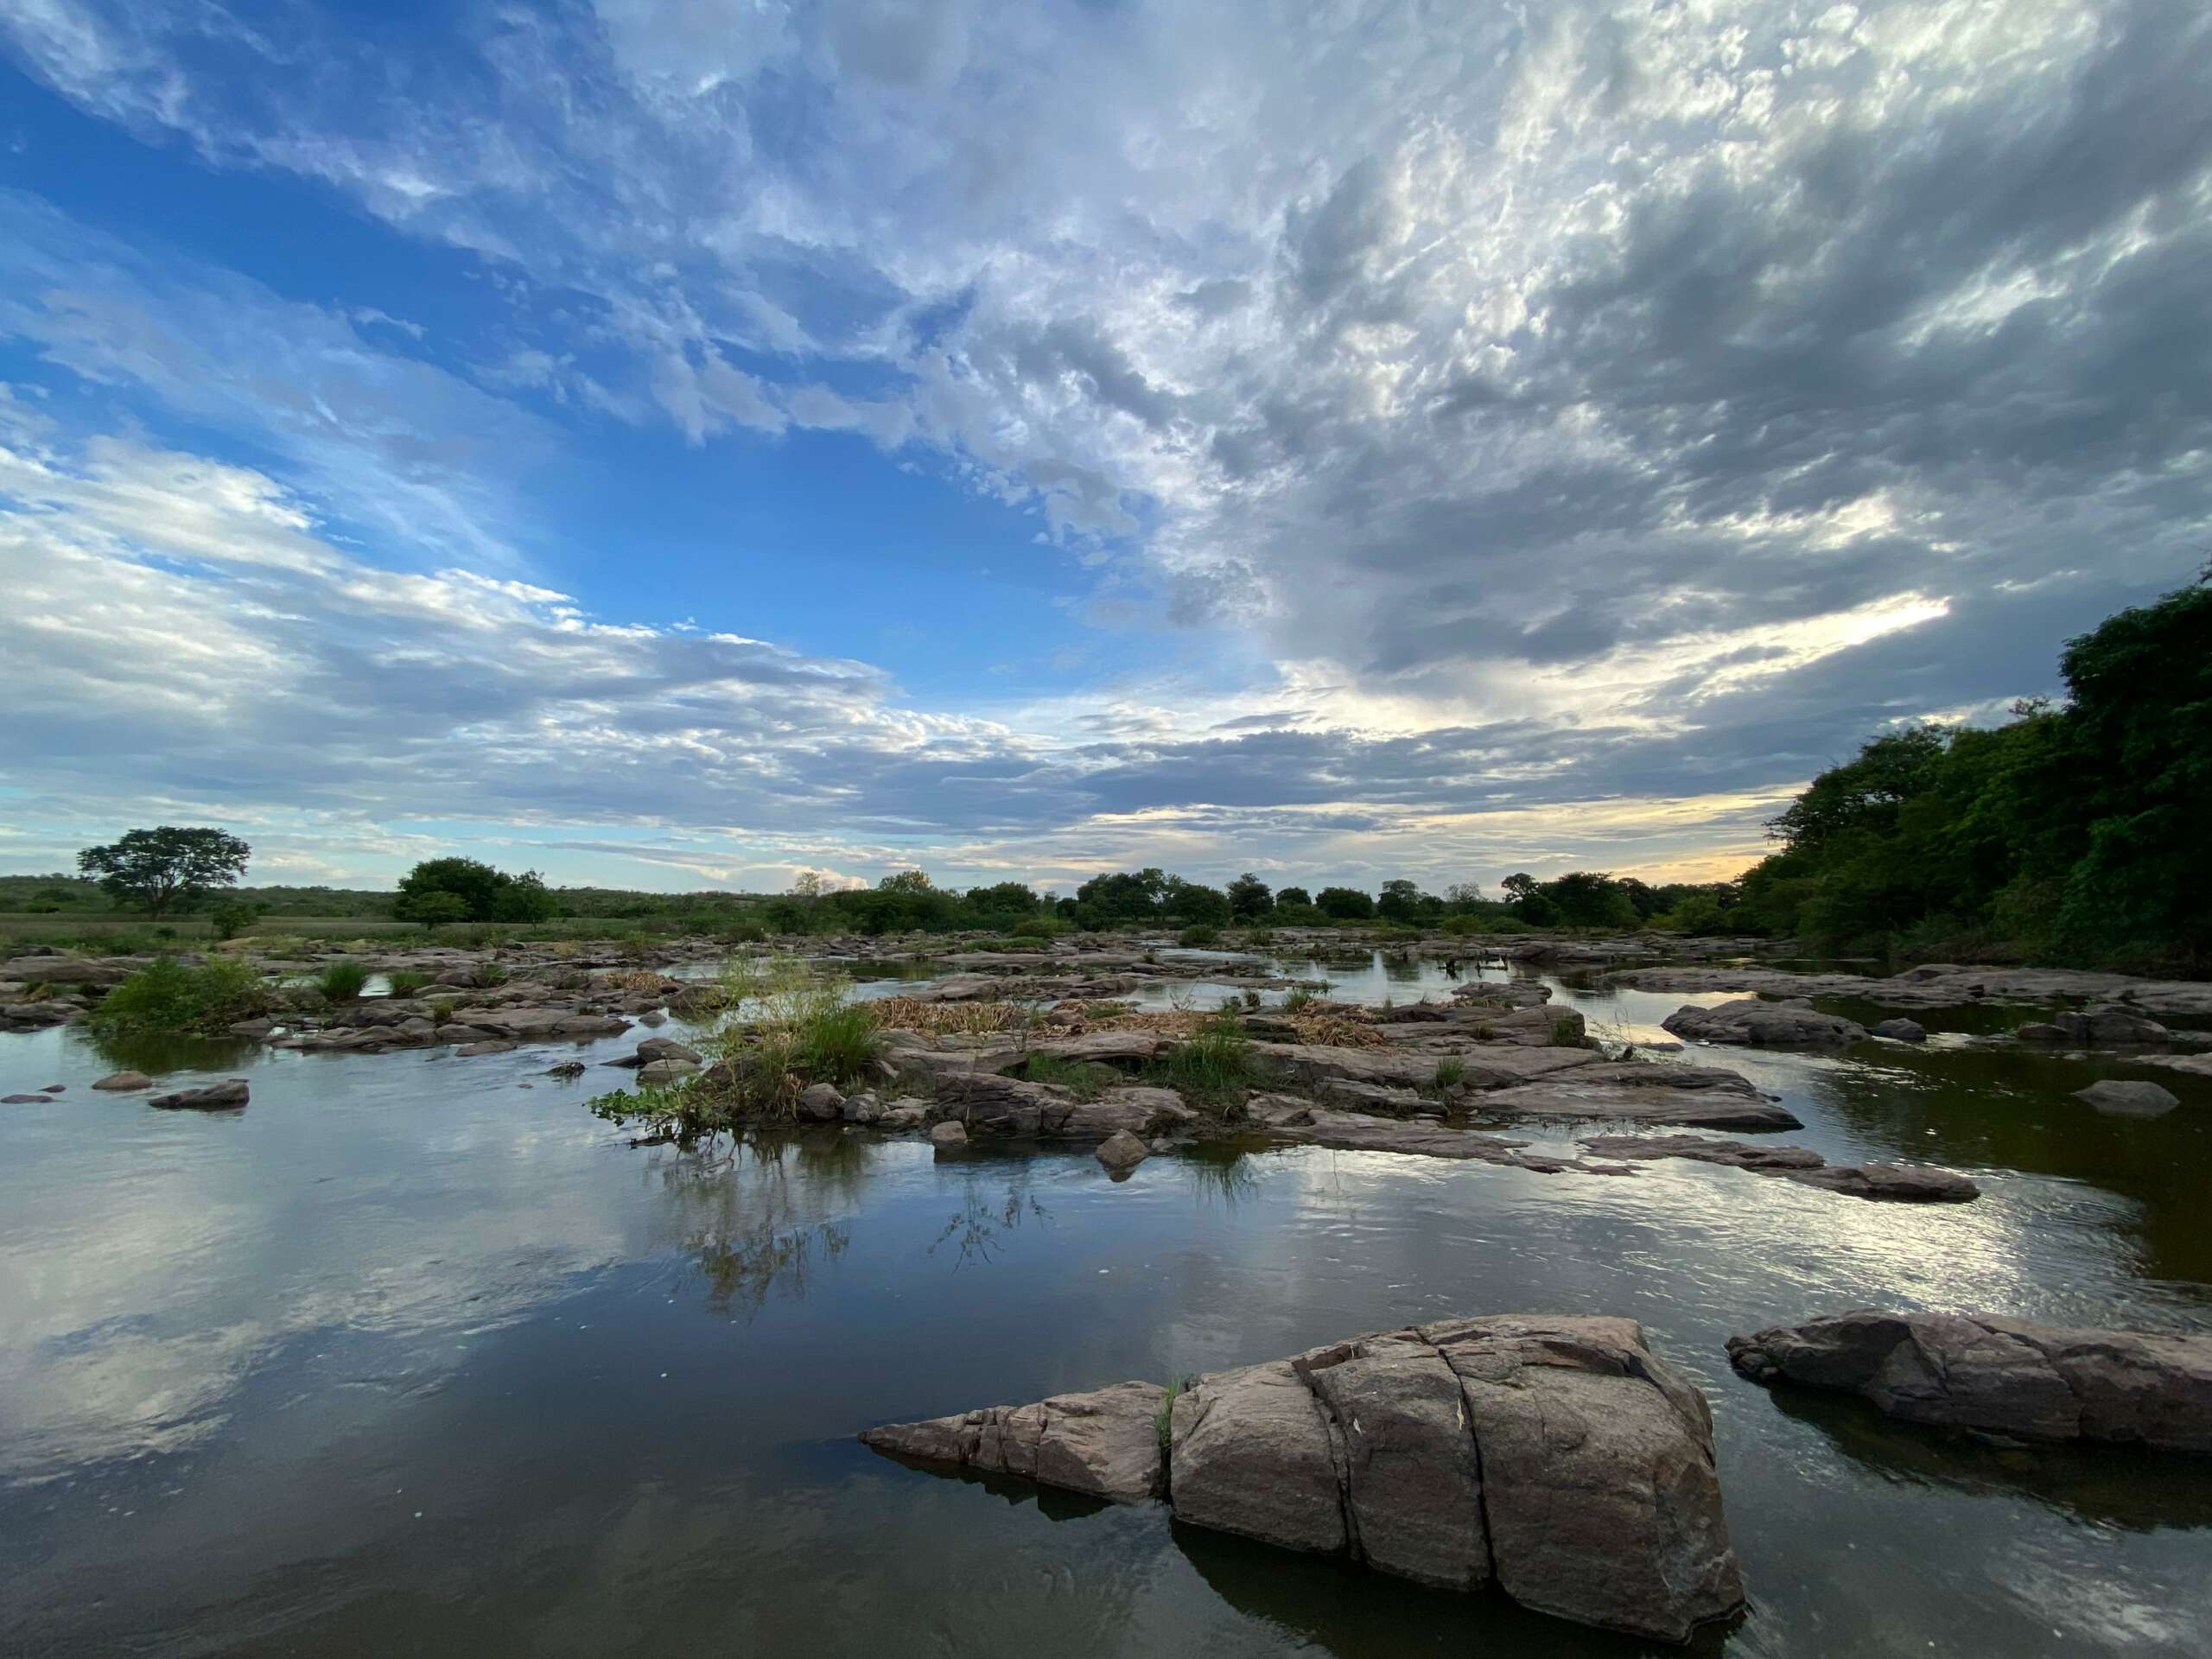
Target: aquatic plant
[1210, 1067]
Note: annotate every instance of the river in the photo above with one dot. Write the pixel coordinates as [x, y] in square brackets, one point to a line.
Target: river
[415, 1354]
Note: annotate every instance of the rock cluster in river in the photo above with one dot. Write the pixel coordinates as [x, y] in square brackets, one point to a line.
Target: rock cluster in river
[1902, 1183]
[1750, 1021]
[1555, 1457]
[1999, 1375]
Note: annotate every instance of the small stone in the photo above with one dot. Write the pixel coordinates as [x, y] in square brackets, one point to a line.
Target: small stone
[1122, 1152]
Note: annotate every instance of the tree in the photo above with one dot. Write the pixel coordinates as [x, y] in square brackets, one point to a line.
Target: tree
[1345, 904]
[469, 890]
[1590, 899]
[809, 885]
[1463, 896]
[1517, 888]
[906, 881]
[1297, 896]
[165, 867]
[1401, 901]
[1248, 897]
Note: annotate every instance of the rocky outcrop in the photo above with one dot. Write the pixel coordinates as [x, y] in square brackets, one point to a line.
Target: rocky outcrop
[216, 1097]
[1756, 1024]
[1942, 985]
[2001, 1377]
[1704, 1097]
[1313, 1063]
[986, 1103]
[1904, 1182]
[2118, 1099]
[1555, 1457]
[1901, 1030]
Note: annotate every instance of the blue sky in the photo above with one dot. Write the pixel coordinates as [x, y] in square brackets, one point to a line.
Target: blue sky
[680, 443]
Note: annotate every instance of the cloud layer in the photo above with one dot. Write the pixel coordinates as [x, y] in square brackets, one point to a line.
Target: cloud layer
[1566, 428]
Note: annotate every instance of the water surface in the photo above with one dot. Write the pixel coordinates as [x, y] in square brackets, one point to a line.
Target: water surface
[407, 1356]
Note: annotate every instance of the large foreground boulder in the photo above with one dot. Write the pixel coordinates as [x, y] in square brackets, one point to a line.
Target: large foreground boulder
[1556, 1456]
[1756, 1024]
[2000, 1376]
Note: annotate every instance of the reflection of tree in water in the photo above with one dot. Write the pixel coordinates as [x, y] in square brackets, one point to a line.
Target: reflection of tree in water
[983, 1221]
[753, 1222]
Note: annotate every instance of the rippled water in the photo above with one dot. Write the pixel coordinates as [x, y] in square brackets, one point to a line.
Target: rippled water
[407, 1356]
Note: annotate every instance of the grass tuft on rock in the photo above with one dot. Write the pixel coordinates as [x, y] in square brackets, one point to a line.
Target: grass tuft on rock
[341, 982]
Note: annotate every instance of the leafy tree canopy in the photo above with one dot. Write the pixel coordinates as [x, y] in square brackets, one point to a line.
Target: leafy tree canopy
[165, 867]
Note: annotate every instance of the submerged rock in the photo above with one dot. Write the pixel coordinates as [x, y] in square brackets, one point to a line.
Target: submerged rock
[2118, 1099]
[216, 1097]
[2000, 1376]
[1556, 1456]
[1901, 1030]
[1756, 1024]
[119, 1081]
[1904, 1183]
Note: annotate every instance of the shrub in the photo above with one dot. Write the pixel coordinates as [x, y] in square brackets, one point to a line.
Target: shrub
[231, 916]
[168, 996]
[341, 982]
[1199, 933]
[1565, 1034]
[1298, 997]
[441, 1010]
[1039, 927]
[780, 1025]
[405, 981]
[488, 975]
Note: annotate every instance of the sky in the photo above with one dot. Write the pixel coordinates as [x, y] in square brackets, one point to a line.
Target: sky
[681, 443]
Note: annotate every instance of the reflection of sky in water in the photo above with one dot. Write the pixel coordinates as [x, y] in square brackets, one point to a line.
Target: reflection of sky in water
[238, 1353]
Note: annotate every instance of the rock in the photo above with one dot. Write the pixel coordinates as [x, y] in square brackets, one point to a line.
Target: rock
[666, 1048]
[2038, 1031]
[566, 1069]
[1901, 1030]
[819, 1101]
[669, 1071]
[2109, 1025]
[1314, 1063]
[216, 1097]
[1105, 1443]
[1122, 1152]
[55, 1089]
[1794, 1024]
[862, 1107]
[1999, 1375]
[1942, 985]
[1904, 1183]
[1557, 1455]
[27, 1100]
[493, 1046]
[118, 1080]
[948, 1137]
[2117, 1099]
[1740, 1108]
[455, 1032]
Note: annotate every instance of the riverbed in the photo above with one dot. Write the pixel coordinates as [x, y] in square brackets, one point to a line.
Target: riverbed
[415, 1354]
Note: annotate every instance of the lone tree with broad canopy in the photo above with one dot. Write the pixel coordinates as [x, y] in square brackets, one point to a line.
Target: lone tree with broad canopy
[168, 866]
[466, 890]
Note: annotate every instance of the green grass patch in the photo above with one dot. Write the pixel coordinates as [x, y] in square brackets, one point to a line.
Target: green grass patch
[1085, 1079]
[1212, 1067]
[341, 982]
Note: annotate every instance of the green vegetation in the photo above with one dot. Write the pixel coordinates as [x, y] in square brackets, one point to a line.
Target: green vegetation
[170, 996]
[1085, 1079]
[1212, 1067]
[405, 981]
[341, 982]
[156, 869]
[1450, 1072]
[2068, 836]
[465, 890]
[1200, 933]
[1163, 1421]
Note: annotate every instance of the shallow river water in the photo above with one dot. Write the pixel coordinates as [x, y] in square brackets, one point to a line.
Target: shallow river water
[407, 1357]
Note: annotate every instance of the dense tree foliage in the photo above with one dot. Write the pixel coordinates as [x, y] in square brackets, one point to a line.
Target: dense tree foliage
[2066, 835]
[158, 868]
[466, 890]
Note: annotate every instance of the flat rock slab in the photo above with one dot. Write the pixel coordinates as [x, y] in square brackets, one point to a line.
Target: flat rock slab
[1903, 1183]
[1756, 1024]
[1941, 985]
[1556, 1456]
[1999, 1375]
[1313, 1063]
[1612, 1099]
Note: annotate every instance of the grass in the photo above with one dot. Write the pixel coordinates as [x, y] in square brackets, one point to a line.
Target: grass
[341, 982]
[1298, 997]
[1567, 1032]
[1164, 1420]
[1199, 933]
[168, 996]
[441, 1010]
[405, 981]
[1211, 1067]
[1450, 1072]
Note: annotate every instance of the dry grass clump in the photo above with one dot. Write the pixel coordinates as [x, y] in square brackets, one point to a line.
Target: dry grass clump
[632, 979]
[948, 1019]
[1340, 1027]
